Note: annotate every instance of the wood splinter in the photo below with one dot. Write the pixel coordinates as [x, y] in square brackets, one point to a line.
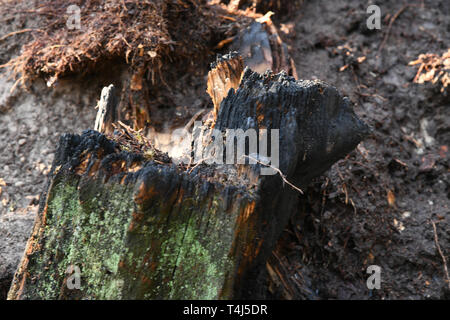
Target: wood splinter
[225, 74]
[107, 110]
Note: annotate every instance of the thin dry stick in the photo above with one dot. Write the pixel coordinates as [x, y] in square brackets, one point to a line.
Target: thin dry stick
[198, 163]
[194, 117]
[436, 241]
[279, 172]
[18, 32]
[391, 22]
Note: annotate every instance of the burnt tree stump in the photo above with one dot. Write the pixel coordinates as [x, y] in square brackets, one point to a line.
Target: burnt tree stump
[136, 226]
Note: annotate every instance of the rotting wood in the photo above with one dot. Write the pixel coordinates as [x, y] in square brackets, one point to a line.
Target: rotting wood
[141, 228]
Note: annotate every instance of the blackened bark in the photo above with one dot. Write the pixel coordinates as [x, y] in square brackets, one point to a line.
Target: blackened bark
[141, 228]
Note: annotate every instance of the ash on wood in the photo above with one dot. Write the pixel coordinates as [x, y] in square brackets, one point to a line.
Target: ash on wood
[136, 227]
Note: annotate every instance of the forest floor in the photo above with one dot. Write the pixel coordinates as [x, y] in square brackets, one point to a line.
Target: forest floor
[378, 206]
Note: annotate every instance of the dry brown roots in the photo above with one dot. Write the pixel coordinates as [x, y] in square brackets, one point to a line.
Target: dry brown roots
[147, 35]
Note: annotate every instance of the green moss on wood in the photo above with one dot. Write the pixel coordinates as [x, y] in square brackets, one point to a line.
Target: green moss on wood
[89, 235]
[169, 248]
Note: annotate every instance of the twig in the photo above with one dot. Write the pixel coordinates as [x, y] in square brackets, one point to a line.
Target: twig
[391, 22]
[194, 117]
[198, 163]
[279, 172]
[436, 241]
[18, 32]
[419, 72]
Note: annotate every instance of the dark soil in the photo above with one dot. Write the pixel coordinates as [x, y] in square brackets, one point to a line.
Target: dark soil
[346, 222]
[375, 207]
